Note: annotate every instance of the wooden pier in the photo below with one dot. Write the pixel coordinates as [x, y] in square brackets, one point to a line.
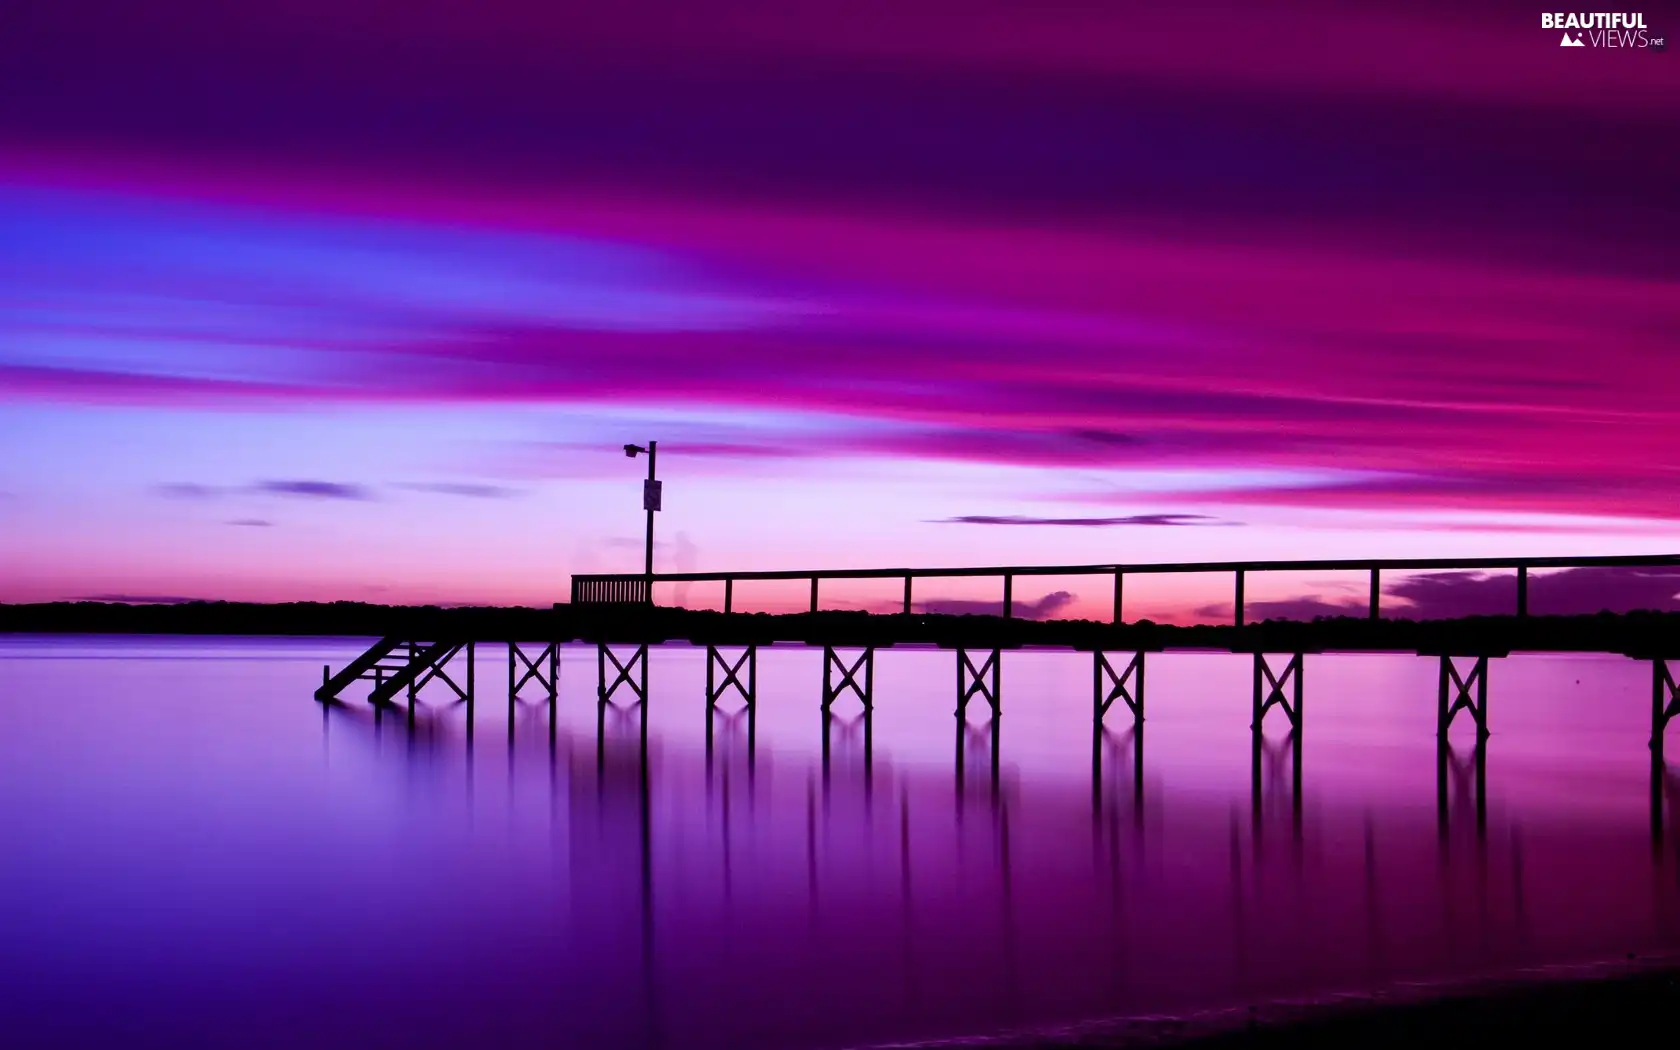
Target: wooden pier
[617, 614]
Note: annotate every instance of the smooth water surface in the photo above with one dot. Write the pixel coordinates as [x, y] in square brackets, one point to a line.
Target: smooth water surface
[198, 854]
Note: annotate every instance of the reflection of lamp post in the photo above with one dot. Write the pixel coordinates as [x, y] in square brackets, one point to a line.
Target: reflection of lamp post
[650, 500]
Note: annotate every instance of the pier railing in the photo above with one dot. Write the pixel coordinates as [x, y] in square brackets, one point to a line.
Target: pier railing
[611, 590]
[637, 588]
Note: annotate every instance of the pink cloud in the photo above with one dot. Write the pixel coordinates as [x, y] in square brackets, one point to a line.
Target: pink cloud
[1442, 385]
[1338, 248]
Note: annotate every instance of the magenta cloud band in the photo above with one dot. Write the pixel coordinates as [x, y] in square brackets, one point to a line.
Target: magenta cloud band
[1203, 238]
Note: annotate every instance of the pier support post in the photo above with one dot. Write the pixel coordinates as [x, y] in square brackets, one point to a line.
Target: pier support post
[1110, 685]
[413, 650]
[1665, 702]
[1462, 693]
[631, 673]
[840, 677]
[984, 680]
[472, 690]
[1270, 690]
[543, 668]
[717, 662]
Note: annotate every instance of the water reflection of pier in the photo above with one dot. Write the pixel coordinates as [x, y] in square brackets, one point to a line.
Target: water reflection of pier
[731, 674]
[676, 853]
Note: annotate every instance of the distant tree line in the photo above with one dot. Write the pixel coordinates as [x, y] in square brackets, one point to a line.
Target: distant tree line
[1638, 633]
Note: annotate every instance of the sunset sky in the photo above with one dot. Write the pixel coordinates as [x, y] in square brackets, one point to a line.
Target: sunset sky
[311, 300]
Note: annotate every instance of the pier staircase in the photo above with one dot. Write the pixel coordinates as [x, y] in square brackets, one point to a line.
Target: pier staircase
[395, 664]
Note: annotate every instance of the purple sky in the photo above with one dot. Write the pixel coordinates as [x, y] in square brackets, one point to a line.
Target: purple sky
[357, 300]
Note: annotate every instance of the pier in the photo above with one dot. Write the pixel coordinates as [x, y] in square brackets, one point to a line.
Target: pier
[617, 614]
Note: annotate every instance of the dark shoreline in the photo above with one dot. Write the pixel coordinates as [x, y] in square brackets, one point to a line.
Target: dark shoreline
[1590, 1004]
[1640, 634]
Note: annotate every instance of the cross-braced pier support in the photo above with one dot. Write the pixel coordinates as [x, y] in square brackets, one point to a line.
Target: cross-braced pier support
[1109, 685]
[437, 671]
[426, 662]
[722, 673]
[1278, 690]
[543, 669]
[631, 673]
[857, 677]
[1462, 693]
[1665, 702]
[984, 680]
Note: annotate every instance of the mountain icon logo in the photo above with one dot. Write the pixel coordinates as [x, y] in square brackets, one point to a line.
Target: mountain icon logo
[1569, 41]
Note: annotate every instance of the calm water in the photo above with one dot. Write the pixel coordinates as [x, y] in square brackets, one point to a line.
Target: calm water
[196, 853]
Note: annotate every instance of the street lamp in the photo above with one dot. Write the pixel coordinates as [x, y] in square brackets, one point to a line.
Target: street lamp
[650, 500]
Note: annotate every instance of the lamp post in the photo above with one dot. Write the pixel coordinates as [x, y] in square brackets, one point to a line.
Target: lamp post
[650, 500]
